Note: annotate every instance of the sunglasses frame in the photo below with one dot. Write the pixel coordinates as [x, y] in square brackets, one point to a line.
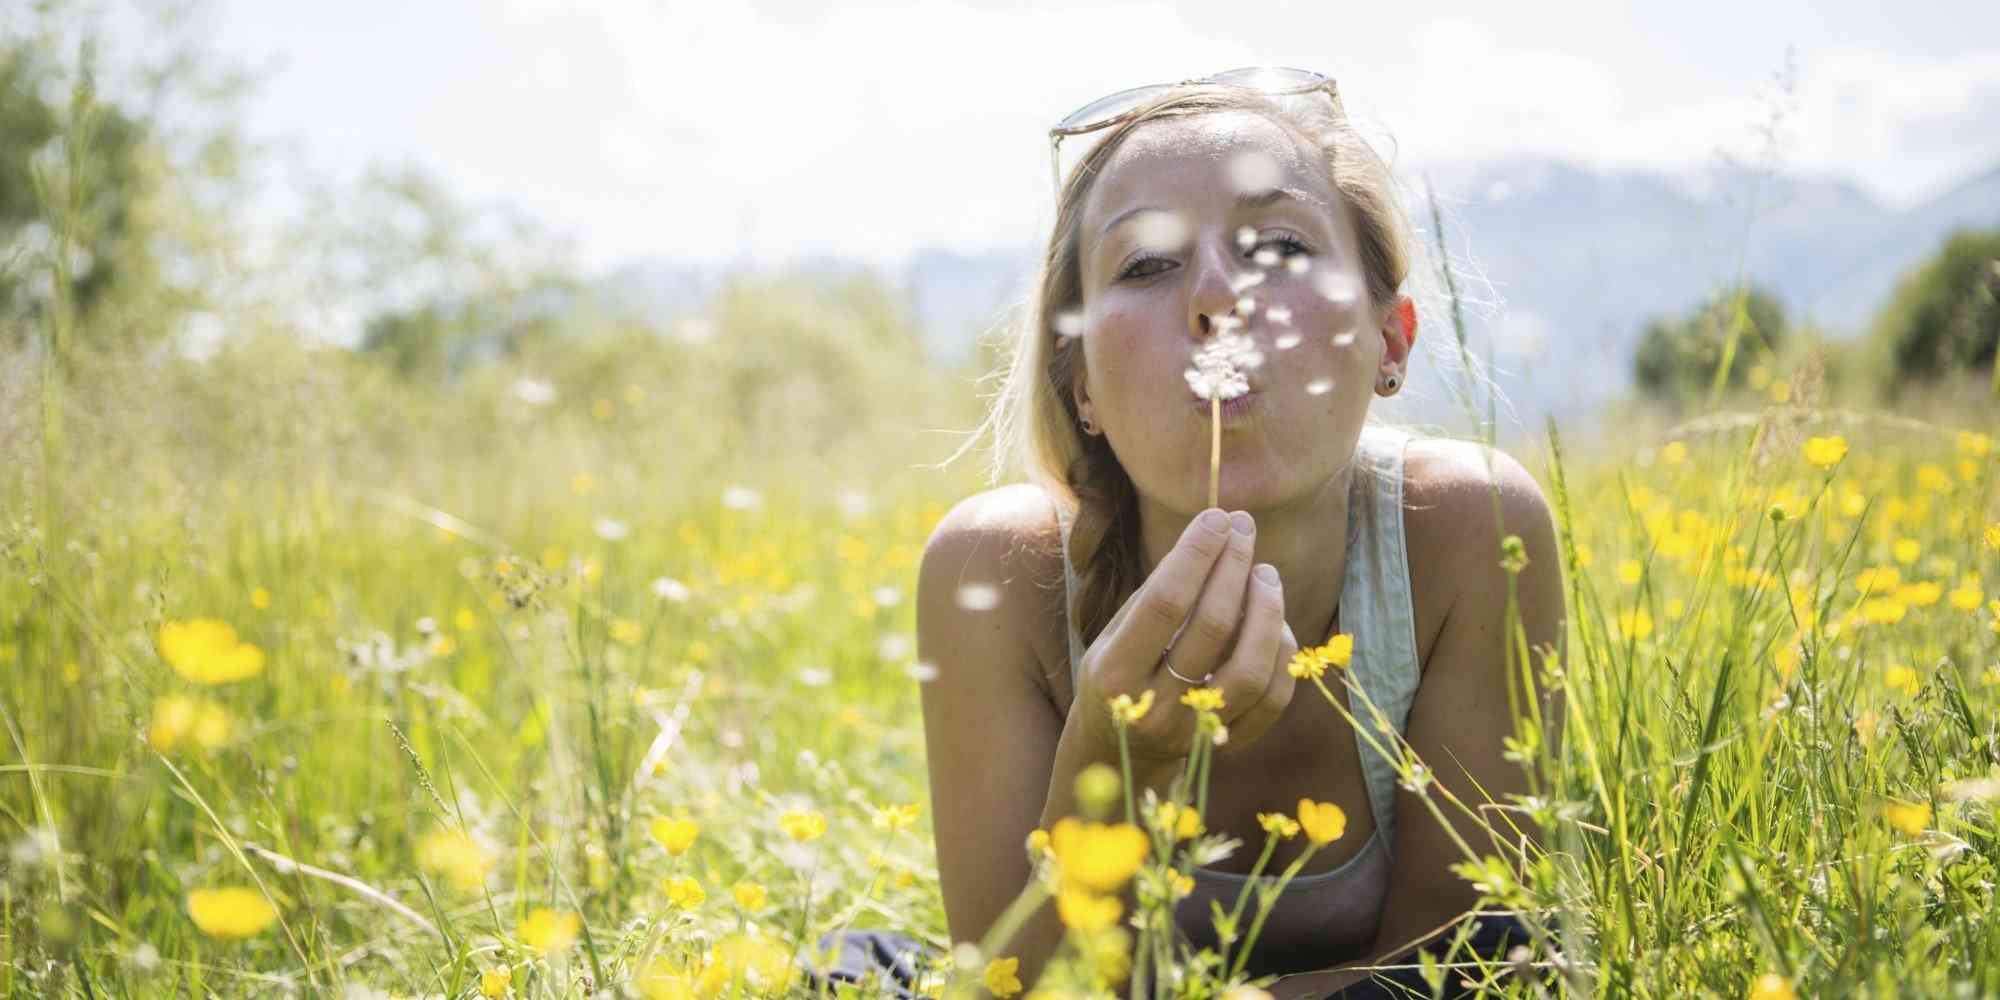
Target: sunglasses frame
[1311, 81]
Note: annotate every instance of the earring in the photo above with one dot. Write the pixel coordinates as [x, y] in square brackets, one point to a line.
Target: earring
[1088, 426]
[1391, 382]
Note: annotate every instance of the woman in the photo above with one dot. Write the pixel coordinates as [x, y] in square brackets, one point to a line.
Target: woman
[1214, 210]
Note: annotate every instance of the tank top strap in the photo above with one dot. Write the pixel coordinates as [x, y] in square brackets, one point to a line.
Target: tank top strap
[1376, 607]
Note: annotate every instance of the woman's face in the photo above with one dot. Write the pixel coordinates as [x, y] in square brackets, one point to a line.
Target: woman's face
[1168, 247]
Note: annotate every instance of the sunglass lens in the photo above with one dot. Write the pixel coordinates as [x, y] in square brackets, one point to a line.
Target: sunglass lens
[1111, 107]
[1270, 79]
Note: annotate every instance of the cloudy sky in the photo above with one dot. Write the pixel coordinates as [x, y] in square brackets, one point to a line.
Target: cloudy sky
[778, 128]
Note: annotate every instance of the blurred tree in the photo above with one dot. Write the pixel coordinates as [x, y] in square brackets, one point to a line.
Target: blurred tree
[1678, 358]
[1944, 317]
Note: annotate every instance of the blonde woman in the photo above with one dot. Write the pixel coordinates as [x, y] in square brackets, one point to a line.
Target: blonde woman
[1242, 206]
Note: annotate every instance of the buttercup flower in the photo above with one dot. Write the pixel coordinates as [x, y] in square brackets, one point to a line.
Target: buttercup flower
[1127, 711]
[230, 914]
[207, 651]
[1083, 910]
[749, 895]
[1278, 825]
[1323, 822]
[684, 892]
[549, 931]
[1000, 978]
[676, 834]
[1826, 452]
[803, 825]
[1098, 856]
[1208, 699]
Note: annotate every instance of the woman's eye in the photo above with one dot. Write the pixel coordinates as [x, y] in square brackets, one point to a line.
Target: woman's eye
[1287, 247]
[1132, 269]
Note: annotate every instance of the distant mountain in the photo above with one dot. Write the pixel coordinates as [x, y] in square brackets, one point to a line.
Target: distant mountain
[1575, 261]
[1564, 265]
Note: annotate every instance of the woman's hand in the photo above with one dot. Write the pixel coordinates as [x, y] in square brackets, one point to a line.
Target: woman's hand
[1219, 616]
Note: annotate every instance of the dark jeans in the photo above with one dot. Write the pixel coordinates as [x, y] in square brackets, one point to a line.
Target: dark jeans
[897, 959]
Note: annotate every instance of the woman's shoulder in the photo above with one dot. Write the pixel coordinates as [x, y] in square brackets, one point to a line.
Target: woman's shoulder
[1007, 538]
[1450, 534]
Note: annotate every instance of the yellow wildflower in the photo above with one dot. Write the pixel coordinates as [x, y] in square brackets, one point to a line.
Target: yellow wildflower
[230, 914]
[676, 834]
[495, 982]
[684, 892]
[1306, 665]
[456, 855]
[207, 651]
[1000, 979]
[1086, 911]
[761, 963]
[1883, 611]
[1920, 594]
[1323, 822]
[1906, 550]
[1771, 986]
[1974, 444]
[1993, 535]
[627, 631]
[1203, 699]
[260, 598]
[1674, 453]
[1966, 596]
[749, 895]
[1636, 623]
[1629, 571]
[1180, 884]
[1907, 818]
[1278, 825]
[1098, 856]
[1178, 820]
[803, 825]
[894, 818]
[1038, 842]
[1128, 711]
[1338, 650]
[178, 718]
[665, 980]
[1901, 678]
[1826, 452]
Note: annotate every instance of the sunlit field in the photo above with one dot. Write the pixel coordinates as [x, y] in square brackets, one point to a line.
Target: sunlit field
[316, 687]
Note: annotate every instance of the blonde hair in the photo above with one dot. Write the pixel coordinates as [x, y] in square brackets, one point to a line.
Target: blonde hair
[1033, 418]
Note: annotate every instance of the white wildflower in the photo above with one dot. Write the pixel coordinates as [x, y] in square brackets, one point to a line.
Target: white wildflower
[669, 589]
[610, 530]
[534, 392]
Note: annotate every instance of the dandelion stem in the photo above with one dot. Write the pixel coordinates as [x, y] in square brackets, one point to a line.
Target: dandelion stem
[1214, 449]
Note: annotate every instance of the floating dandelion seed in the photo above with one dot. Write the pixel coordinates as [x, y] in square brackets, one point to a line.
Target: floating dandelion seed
[667, 588]
[887, 597]
[853, 503]
[611, 531]
[1287, 341]
[695, 330]
[1228, 323]
[1335, 288]
[922, 671]
[895, 647]
[1246, 237]
[1069, 323]
[1297, 265]
[978, 597]
[1281, 315]
[1319, 386]
[1246, 280]
[813, 677]
[1254, 170]
[1267, 257]
[1343, 338]
[1246, 305]
[1160, 230]
[534, 392]
[742, 498]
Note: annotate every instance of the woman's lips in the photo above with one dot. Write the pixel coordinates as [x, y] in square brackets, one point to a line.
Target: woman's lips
[1240, 410]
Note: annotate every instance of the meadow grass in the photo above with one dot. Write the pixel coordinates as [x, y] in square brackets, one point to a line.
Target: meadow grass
[1779, 753]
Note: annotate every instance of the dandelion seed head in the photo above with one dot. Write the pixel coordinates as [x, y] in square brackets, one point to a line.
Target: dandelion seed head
[978, 597]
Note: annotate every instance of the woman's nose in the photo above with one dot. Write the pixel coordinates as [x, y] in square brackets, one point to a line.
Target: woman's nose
[1211, 294]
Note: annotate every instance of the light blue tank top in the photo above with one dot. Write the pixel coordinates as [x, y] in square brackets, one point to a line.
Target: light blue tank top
[1323, 919]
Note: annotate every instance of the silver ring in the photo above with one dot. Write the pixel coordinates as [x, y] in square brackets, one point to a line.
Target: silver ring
[1177, 674]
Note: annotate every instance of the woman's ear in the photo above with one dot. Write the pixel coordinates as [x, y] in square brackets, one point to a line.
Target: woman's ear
[1399, 335]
